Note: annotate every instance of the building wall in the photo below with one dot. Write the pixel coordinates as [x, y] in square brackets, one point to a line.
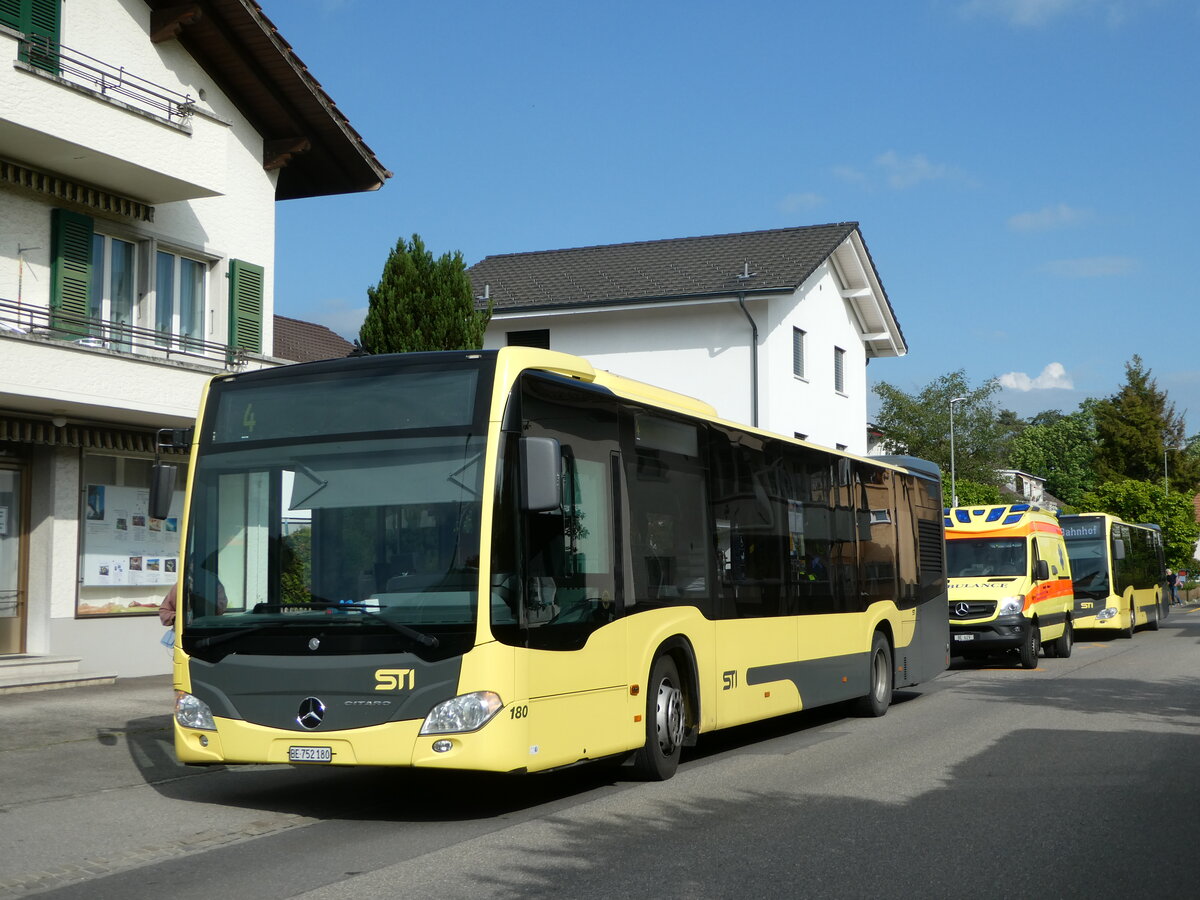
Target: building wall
[218, 163]
[212, 200]
[702, 349]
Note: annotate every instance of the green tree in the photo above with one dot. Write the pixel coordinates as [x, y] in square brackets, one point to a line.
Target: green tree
[422, 304]
[1139, 435]
[919, 425]
[1145, 501]
[971, 493]
[1061, 449]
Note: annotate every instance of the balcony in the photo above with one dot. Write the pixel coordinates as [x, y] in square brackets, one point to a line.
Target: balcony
[96, 122]
[90, 369]
[83, 331]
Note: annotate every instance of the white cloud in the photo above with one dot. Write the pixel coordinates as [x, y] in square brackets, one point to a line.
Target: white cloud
[797, 202]
[904, 172]
[1053, 377]
[1091, 267]
[1058, 216]
[850, 174]
[1035, 13]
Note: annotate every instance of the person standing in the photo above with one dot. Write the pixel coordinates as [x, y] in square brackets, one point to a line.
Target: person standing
[1173, 585]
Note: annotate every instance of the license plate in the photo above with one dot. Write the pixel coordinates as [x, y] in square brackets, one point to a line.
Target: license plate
[310, 754]
[957, 637]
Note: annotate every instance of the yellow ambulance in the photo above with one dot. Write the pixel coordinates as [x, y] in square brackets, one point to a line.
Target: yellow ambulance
[1009, 582]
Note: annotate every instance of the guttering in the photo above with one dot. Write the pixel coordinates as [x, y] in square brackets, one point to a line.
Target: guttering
[753, 359]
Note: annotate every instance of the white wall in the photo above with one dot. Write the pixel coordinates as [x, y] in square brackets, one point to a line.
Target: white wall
[703, 349]
[219, 163]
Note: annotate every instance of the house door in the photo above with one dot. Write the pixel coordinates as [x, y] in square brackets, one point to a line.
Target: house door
[12, 561]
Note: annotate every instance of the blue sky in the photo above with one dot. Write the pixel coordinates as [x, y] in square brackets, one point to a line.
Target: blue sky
[1024, 172]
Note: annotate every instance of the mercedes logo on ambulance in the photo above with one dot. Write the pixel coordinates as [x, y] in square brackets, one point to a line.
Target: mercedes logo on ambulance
[961, 610]
[312, 712]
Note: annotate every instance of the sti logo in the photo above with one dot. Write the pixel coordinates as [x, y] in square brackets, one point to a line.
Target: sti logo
[395, 679]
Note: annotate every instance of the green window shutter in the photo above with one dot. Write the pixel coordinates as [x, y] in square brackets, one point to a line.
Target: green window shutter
[245, 305]
[38, 20]
[70, 270]
[10, 13]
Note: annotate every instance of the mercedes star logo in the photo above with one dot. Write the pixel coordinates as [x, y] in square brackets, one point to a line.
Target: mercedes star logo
[962, 610]
[312, 712]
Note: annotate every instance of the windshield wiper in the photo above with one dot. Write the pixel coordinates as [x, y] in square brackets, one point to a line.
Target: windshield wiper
[420, 637]
[224, 636]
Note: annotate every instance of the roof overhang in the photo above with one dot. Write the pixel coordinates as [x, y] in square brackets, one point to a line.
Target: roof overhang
[304, 134]
[870, 308]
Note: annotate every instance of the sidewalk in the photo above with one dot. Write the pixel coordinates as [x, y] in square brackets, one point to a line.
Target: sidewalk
[39, 719]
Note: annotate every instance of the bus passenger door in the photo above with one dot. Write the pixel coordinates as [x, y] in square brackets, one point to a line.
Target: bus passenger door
[569, 612]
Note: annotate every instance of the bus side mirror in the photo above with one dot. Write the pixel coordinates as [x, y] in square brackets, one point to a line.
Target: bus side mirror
[541, 474]
[162, 489]
[1041, 570]
[1118, 548]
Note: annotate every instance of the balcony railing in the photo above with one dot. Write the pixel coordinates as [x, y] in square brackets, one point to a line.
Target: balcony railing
[106, 79]
[84, 331]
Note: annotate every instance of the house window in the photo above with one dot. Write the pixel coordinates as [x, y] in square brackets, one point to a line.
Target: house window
[798, 352]
[839, 370]
[111, 291]
[539, 337]
[179, 296]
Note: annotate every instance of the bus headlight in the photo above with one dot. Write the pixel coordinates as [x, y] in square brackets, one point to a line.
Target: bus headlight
[192, 712]
[1011, 606]
[466, 712]
[1106, 613]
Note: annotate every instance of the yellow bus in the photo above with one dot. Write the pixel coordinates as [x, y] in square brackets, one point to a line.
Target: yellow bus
[509, 561]
[1119, 573]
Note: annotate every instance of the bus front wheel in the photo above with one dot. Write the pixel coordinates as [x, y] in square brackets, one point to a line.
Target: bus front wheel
[1128, 632]
[879, 676]
[665, 723]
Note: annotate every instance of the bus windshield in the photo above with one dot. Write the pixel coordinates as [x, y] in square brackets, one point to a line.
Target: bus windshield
[1087, 546]
[306, 525]
[986, 557]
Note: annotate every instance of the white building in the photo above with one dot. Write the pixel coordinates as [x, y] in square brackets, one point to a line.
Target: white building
[143, 145]
[774, 328]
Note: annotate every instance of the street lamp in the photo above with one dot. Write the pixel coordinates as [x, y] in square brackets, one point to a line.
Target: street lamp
[953, 490]
[1166, 483]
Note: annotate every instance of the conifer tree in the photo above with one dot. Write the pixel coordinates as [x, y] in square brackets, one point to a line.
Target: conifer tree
[422, 304]
[1140, 436]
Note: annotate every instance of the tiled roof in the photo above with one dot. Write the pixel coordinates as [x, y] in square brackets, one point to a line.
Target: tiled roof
[777, 260]
[299, 341]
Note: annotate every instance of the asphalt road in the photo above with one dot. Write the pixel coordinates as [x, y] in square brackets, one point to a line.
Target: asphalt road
[1079, 778]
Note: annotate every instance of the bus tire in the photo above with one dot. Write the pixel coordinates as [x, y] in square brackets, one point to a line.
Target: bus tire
[665, 722]
[1031, 644]
[1152, 619]
[879, 680]
[1061, 647]
[1128, 632]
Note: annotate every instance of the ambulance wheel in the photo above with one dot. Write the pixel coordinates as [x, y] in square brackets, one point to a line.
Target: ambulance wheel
[1030, 647]
[1061, 647]
[665, 725]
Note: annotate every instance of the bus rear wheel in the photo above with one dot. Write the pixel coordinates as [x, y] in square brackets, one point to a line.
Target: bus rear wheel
[879, 680]
[665, 722]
